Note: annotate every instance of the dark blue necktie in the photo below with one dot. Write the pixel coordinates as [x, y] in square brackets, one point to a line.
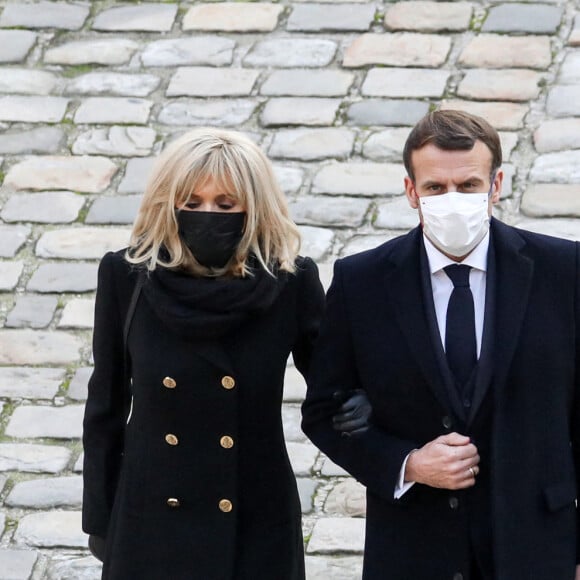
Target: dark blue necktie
[460, 345]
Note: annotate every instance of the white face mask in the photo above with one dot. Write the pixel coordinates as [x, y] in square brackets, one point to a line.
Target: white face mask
[455, 222]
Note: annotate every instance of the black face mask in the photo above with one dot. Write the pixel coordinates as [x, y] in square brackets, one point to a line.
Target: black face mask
[212, 237]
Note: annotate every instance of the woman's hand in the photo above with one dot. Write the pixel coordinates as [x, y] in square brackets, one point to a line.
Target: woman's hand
[354, 413]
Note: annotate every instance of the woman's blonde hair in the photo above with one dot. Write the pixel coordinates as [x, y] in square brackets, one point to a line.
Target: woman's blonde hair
[241, 169]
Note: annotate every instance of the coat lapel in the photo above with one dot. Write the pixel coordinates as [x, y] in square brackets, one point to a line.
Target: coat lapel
[214, 352]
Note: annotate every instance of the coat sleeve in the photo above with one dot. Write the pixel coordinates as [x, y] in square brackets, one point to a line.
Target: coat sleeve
[106, 406]
[374, 458]
[575, 439]
[310, 307]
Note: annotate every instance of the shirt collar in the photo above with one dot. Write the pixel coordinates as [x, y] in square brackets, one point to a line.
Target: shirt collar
[477, 258]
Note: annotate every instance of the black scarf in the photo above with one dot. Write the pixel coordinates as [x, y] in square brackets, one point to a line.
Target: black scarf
[208, 308]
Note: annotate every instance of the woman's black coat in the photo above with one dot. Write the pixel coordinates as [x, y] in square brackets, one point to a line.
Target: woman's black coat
[192, 480]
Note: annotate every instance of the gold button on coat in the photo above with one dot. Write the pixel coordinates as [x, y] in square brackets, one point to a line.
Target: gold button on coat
[171, 439]
[169, 383]
[226, 505]
[226, 442]
[173, 502]
[228, 382]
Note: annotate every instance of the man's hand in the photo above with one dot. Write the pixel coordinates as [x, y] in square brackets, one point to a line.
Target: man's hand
[577, 577]
[448, 462]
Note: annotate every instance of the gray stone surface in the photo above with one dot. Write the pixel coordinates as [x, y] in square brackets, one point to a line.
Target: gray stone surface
[78, 387]
[347, 498]
[212, 112]
[306, 491]
[51, 529]
[299, 111]
[515, 17]
[428, 16]
[233, 17]
[78, 466]
[46, 207]
[15, 44]
[112, 110]
[67, 567]
[563, 101]
[64, 277]
[78, 313]
[302, 457]
[500, 85]
[336, 212]
[561, 228]
[10, 274]
[312, 144]
[337, 568]
[211, 82]
[386, 145]
[404, 82]
[32, 109]
[501, 115]
[290, 179]
[103, 83]
[304, 83]
[106, 51]
[33, 311]
[47, 493]
[557, 135]
[87, 243]
[62, 15]
[146, 18]
[42, 421]
[30, 383]
[17, 564]
[115, 141]
[551, 200]
[12, 238]
[121, 209]
[317, 17]
[380, 112]
[396, 214]
[136, 174]
[199, 50]
[33, 458]
[316, 242]
[337, 534]
[291, 52]
[561, 167]
[37, 140]
[26, 82]
[294, 385]
[38, 347]
[570, 68]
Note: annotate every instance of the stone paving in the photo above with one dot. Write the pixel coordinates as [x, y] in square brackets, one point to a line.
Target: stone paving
[91, 91]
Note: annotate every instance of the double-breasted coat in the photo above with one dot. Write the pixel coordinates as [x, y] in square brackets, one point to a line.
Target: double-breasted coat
[524, 415]
[186, 473]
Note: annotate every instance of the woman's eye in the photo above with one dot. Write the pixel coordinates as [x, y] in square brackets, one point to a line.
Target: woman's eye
[192, 205]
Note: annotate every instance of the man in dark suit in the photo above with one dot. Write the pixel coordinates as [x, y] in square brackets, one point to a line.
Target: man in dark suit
[465, 336]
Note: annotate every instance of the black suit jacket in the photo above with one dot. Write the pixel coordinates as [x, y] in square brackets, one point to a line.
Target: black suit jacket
[377, 336]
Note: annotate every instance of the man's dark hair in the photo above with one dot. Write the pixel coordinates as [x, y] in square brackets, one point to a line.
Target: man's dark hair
[452, 131]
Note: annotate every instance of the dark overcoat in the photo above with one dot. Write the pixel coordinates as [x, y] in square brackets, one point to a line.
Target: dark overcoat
[376, 336]
[186, 472]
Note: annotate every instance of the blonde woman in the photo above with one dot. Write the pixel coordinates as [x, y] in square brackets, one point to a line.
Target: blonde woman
[186, 474]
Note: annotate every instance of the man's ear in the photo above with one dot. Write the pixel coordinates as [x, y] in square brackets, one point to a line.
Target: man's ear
[496, 186]
[410, 192]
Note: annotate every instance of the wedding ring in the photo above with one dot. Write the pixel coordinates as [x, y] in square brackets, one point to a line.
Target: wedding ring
[472, 471]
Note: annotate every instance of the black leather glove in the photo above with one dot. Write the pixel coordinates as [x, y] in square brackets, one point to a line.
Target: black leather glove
[354, 413]
[97, 546]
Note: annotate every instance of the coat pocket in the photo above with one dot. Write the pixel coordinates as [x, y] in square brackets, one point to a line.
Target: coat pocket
[559, 495]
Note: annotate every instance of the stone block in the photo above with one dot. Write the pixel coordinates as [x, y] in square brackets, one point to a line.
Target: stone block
[551, 200]
[569, 229]
[500, 85]
[30, 382]
[46, 493]
[563, 101]
[116, 141]
[382, 112]
[64, 277]
[10, 274]
[404, 82]
[523, 18]
[32, 421]
[108, 83]
[233, 17]
[32, 109]
[61, 15]
[356, 178]
[26, 81]
[347, 498]
[312, 144]
[78, 468]
[150, 17]
[291, 53]
[136, 174]
[50, 207]
[302, 457]
[291, 418]
[335, 567]
[329, 212]
[86, 174]
[358, 244]
[121, 209]
[15, 44]
[557, 135]
[198, 50]
[574, 38]
[72, 567]
[78, 313]
[112, 110]
[299, 111]
[499, 51]
[38, 347]
[50, 530]
[501, 115]
[397, 49]
[306, 491]
[294, 386]
[212, 82]
[386, 145]
[307, 83]
[396, 214]
[78, 388]
[87, 243]
[32, 458]
[37, 140]
[337, 535]
[31, 311]
[12, 238]
[220, 113]
[316, 244]
[427, 16]
[290, 179]
[560, 167]
[17, 564]
[569, 73]
[113, 51]
[509, 140]
[318, 18]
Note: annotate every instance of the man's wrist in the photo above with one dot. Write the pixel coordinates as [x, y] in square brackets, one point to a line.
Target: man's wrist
[409, 467]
